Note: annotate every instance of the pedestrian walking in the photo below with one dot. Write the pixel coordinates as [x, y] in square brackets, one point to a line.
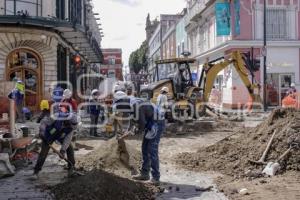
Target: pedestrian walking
[17, 94]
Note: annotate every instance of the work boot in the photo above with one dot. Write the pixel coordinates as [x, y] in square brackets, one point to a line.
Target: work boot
[141, 177]
[155, 182]
[34, 176]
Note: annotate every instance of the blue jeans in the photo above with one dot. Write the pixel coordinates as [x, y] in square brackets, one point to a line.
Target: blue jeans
[150, 153]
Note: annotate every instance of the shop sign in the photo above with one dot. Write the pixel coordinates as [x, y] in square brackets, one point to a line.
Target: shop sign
[222, 12]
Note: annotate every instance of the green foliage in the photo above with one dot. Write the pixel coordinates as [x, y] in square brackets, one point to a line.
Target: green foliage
[138, 58]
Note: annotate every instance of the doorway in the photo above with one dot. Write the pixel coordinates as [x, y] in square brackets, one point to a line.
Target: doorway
[25, 65]
[277, 87]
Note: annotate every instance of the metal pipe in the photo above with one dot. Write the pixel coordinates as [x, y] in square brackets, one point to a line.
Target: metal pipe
[12, 117]
[265, 58]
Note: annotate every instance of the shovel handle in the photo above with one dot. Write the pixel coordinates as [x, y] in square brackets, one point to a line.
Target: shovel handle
[58, 153]
[284, 154]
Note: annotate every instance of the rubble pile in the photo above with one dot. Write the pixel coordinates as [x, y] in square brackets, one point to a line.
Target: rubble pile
[231, 155]
[98, 184]
[117, 157]
[207, 125]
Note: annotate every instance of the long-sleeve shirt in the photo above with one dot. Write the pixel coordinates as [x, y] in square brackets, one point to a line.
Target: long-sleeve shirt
[95, 108]
[162, 104]
[17, 96]
[58, 130]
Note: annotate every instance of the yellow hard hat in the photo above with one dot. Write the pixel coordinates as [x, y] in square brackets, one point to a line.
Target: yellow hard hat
[44, 105]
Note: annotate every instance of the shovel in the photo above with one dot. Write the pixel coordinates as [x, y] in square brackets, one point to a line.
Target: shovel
[68, 161]
[263, 157]
[273, 167]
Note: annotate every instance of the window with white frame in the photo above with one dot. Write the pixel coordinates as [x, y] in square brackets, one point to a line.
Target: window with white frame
[277, 24]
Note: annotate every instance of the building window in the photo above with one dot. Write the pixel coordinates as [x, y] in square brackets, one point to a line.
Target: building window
[60, 9]
[112, 61]
[75, 14]
[23, 7]
[277, 24]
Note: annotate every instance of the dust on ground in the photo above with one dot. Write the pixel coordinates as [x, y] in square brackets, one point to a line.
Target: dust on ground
[283, 187]
[97, 185]
[231, 155]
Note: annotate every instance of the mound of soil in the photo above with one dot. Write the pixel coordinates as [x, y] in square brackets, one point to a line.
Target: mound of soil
[208, 125]
[231, 155]
[97, 185]
[117, 157]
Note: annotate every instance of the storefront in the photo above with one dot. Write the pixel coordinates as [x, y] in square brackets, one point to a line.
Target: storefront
[282, 71]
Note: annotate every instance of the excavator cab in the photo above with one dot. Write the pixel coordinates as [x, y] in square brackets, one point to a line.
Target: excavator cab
[175, 74]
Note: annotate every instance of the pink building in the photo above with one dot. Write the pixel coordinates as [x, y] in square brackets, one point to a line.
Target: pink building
[283, 42]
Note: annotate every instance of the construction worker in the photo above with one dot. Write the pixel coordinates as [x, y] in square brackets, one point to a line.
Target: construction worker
[292, 88]
[67, 98]
[45, 110]
[94, 110]
[162, 101]
[58, 127]
[17, 94]
[152, 127]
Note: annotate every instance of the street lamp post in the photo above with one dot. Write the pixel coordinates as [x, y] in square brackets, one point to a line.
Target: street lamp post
[265, 59]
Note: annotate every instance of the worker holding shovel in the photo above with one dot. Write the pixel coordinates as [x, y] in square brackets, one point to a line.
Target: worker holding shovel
[57, 128]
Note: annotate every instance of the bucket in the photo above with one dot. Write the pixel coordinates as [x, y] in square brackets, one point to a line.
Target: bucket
[25, 131]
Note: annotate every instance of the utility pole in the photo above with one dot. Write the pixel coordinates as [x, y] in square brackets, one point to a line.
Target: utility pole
[265, 59]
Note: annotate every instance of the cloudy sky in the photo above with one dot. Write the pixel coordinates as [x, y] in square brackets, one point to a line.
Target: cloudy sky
[123, 21]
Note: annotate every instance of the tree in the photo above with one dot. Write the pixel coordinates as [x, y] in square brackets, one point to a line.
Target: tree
[138, 58]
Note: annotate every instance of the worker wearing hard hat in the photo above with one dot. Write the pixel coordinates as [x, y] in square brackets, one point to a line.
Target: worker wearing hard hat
[17, 94]
[162, 102]
[292, 88]
[45, 110]
[95, 110]
[58, 127]
[68, 100]
[153, 128]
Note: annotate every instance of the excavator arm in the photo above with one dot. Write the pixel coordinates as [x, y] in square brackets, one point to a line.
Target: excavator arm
[211, 70]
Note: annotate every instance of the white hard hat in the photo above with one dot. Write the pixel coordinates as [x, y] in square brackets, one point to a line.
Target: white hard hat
[293, 85]
[67, 94]
[164, 89]
[119, 87]
[95, 91]
[120, 95]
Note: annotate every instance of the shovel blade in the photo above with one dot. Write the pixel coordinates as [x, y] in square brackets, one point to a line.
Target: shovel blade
[271, 169]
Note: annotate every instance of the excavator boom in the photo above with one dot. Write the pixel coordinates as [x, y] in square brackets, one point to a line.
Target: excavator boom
[211, 70]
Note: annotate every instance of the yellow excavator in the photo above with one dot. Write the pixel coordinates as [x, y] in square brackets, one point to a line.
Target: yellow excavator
[186, 96]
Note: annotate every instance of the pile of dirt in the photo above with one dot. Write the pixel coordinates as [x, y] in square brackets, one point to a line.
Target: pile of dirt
[114, 156]
[97, 185]
[231, 155]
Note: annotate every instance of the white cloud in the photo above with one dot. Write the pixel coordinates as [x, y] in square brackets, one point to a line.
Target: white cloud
[120, 20]
[128, 2]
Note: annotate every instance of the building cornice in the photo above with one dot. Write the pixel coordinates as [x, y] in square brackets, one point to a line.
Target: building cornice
[246, 44]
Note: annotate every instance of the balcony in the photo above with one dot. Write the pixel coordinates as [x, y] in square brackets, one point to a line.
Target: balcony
[74, 31]
[194, 12]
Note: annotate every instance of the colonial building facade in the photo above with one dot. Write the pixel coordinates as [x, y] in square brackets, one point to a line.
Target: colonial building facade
[39, 40]
[112, 63]
[246, 35]
[162, 43]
